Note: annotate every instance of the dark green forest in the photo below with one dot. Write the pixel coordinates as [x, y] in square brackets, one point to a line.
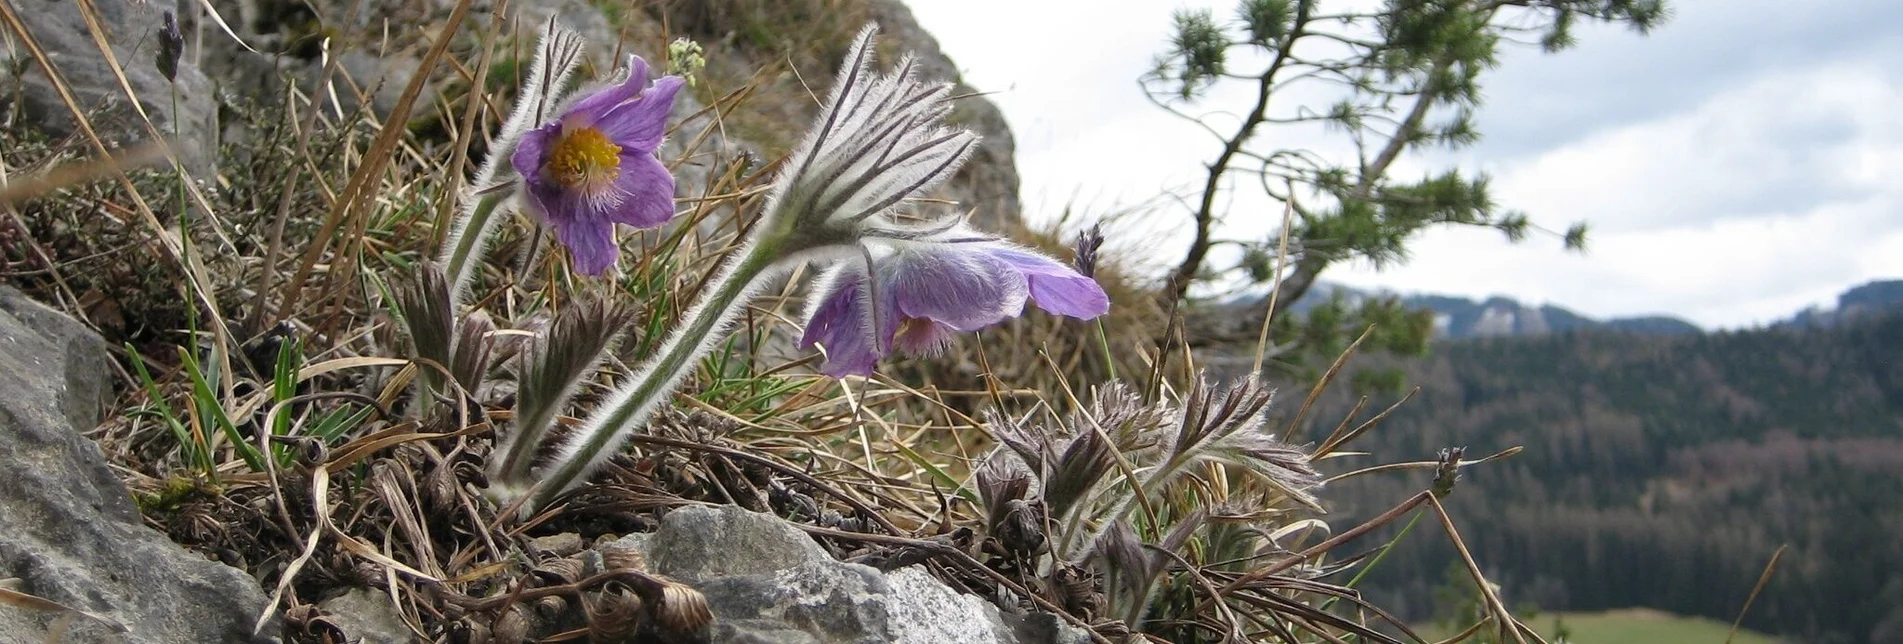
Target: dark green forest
[1658, 471]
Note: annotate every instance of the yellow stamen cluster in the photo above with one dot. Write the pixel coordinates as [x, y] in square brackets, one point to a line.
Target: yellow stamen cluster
[583, 158]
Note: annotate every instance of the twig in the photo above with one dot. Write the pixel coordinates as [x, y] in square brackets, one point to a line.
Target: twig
[1763, 580]
[857, 505]
[1295, 424]
[1281, 262]
[1325, 546]
[1508, 624]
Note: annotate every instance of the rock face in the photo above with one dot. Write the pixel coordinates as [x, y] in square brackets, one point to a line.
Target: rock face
[71, 533]
[987, 183]
[770, 583]
[367, 616]
[131, 28]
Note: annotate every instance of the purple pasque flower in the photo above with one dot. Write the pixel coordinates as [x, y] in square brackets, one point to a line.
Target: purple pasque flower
[593, 166]
[919, 294]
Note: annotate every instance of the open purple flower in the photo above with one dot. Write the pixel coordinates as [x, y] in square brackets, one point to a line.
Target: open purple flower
[593, 166]
[924, 292]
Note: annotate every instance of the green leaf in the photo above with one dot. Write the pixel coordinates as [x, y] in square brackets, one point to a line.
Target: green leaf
[192, 450]
[1576, 237]
[340, 421]
[1267, 20]
[284, 381]
[206, 403]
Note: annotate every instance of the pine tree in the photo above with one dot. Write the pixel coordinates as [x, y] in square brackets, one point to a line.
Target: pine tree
[1408, 76]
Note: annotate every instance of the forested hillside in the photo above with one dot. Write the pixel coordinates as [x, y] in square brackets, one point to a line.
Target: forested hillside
[1660, 472]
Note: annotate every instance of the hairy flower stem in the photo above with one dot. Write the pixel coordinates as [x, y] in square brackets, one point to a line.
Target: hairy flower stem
[463, 249]
[518, 456]
[609, 425]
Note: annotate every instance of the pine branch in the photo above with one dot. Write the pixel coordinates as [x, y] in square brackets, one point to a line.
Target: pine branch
[1185, 273]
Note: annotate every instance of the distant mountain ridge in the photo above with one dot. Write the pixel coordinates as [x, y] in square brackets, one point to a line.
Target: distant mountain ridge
[1458, 318]
[1857, 303]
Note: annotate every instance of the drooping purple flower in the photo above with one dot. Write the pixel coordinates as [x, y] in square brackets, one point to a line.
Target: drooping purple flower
[593, 166]
[844, 324]
[922, 293]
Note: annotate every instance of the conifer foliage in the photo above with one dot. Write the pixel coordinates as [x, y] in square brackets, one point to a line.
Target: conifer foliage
[1404, 76]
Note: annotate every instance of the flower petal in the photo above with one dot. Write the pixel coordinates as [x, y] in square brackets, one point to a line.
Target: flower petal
[1055, 287]
[646, 189]
[842, 324]
[957, 285]
[527, 160]
[640, 122]
[591, 109]
[591, 243]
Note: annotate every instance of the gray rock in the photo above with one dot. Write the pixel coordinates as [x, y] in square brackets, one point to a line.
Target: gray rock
[987, 183]
[1045, 627]
[759, 631]
[831, 601]
[768, 582]
[366, 617]
[384, 74]
[584, 17]
[923, 609]
[698, 543]
[72, 535]
[379, 66]
[637, 542]
[383, 78]
[132, 30]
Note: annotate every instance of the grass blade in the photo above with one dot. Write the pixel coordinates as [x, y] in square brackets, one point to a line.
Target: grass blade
[207, 405]
[192, 448]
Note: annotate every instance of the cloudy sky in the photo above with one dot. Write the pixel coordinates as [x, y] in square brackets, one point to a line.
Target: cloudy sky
[1740, 163]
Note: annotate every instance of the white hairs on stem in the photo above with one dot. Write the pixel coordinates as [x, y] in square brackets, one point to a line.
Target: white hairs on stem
[557, 55]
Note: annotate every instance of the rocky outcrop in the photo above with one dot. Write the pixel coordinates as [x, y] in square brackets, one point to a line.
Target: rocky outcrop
[72, 535]
[131, 28]
[377, 50]
[366, 616]
[766, 582]
[381, 67]
[770, 583]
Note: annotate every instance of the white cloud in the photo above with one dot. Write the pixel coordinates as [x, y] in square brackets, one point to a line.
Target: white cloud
[1716, 214]
[1745, 153]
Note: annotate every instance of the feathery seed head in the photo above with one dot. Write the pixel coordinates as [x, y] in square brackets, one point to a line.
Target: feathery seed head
[879, 140]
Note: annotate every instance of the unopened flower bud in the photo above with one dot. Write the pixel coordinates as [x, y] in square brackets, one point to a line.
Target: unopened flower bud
[1089, 242]
[171, 46]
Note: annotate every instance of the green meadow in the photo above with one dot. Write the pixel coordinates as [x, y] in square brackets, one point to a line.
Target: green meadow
[1640, 626]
